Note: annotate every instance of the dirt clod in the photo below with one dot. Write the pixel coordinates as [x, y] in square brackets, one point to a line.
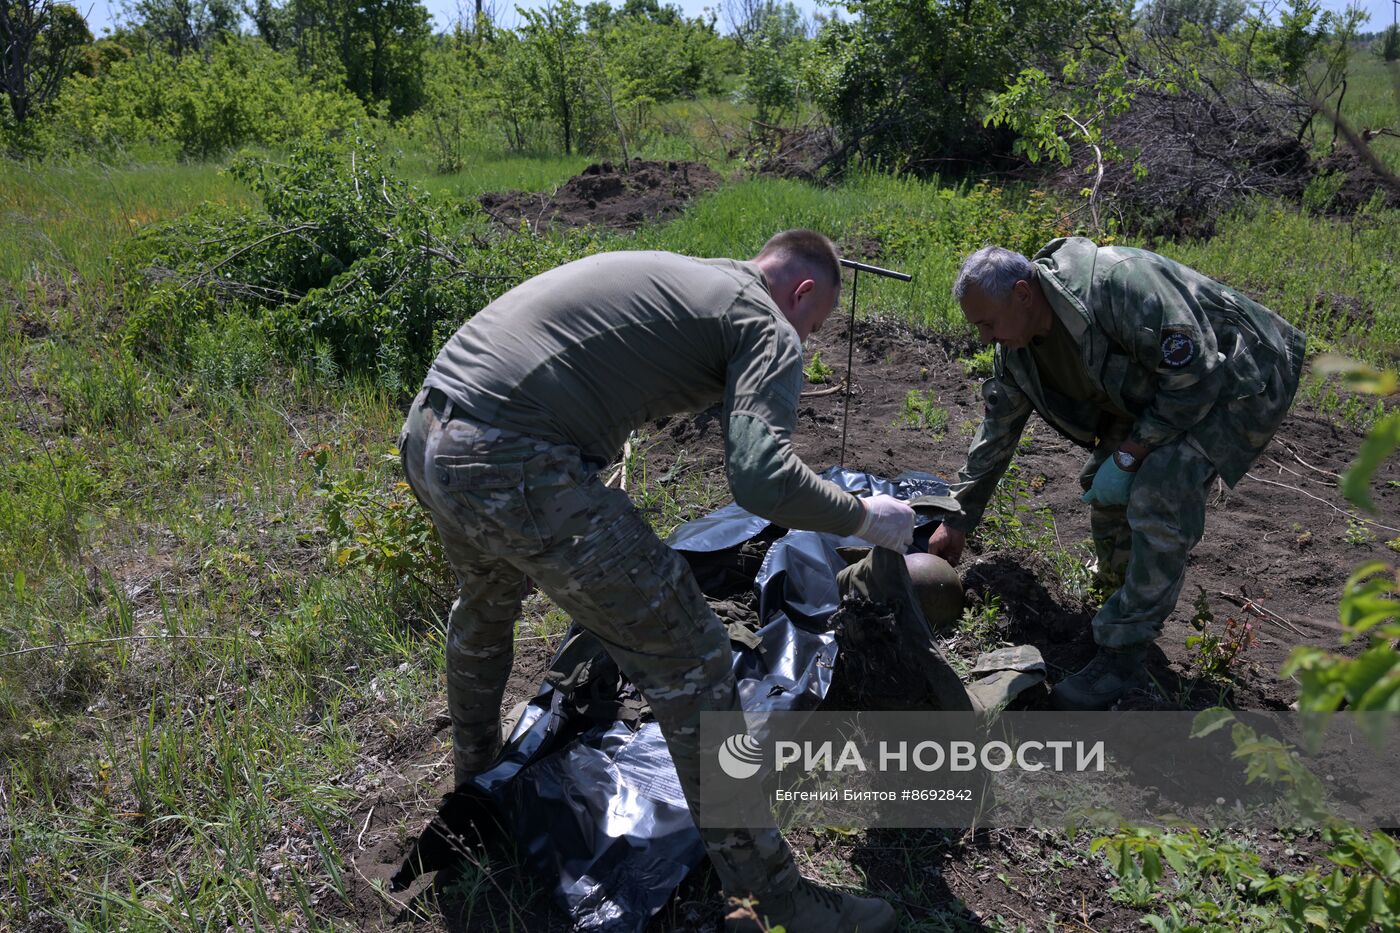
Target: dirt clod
[619, 196]
[874, 668]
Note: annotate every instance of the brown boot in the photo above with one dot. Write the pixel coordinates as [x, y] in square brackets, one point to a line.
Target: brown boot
[811, 908]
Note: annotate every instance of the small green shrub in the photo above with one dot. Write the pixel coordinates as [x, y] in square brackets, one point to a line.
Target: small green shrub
[920, 411]
[979, 623]
[375, 525]
[817, 372]
[230, 354]
[1214, 651]
[979, 365]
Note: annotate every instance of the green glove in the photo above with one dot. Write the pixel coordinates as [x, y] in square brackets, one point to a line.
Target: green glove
[1111, 485]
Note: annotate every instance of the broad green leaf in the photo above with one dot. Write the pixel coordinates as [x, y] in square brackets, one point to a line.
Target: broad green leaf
[1380, 442]
[1151, 865]
[1358, 376]
[1375, 896]
[1210, 720]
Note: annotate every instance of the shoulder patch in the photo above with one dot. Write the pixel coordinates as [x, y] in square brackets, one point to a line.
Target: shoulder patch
[1178, 349]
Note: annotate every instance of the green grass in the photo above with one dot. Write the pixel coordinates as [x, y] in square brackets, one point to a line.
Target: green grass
[219, 677]
[1373, 102]
[491, 171]
[920, 410]
[60, 221]
[1335, 279]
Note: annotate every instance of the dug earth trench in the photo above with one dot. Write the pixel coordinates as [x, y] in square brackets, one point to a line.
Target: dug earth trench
[1277, 550]
[618, 196]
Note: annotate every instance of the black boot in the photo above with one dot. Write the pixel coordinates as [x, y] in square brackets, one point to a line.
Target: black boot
[1104, 680]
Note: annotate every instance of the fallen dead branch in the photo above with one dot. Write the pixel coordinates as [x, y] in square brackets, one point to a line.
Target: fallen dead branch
[1251, 605]
[1351, 515]
[829, 390]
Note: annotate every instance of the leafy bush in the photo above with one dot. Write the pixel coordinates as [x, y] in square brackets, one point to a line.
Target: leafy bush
[979, 364]
[229, 354]
[817, 372]
[383, 531]
[242, 93]
[905, 82]
[350, 269]
[455, 106]
[776, 62]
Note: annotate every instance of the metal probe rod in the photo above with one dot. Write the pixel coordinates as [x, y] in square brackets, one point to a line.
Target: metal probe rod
[850, 359]
[887, 273]
[856, 269]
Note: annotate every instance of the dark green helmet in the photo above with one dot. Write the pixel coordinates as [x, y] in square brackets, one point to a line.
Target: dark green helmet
[939, 590]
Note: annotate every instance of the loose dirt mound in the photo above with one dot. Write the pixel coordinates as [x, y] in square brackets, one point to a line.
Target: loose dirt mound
[617, 196]
[800, 153]
[1361, 183]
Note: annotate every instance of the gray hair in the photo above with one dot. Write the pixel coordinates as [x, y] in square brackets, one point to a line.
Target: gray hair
[995, 270]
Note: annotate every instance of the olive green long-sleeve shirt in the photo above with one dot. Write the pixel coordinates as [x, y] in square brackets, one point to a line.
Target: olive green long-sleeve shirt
[586, 353]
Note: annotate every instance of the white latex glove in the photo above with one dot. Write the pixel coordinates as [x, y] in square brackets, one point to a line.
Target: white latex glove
[888, 522]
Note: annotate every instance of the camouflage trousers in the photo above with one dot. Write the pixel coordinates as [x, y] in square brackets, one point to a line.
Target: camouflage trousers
[1142, 548]
[512, 509]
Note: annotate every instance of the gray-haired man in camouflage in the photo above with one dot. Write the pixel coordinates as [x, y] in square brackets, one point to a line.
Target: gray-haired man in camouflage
[519, 412]
[1169, 378]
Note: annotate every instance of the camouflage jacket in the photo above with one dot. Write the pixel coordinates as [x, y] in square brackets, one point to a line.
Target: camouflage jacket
[1182, 354]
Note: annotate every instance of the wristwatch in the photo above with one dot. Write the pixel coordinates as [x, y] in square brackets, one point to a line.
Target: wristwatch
[1126, 461]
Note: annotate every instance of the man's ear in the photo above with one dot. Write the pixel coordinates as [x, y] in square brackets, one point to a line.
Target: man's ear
[803, 288]
[1022, 289]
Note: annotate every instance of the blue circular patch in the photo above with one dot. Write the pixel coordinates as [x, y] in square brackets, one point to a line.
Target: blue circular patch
[1178, 350]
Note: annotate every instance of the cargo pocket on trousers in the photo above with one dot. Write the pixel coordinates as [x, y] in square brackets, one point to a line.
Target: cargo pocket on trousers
[663, 614]
[491, 497]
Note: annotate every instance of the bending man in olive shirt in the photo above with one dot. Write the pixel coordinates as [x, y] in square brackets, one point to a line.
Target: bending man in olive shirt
[532, 397]
[1169, 378]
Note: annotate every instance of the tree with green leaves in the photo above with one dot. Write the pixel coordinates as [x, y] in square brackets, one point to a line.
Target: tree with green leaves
[183, 26]
[454, 103]
[376, 46]
[40, 43]
[558, 62]
[906, 81]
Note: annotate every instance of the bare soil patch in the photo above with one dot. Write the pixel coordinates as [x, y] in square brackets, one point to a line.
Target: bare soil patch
[1362, 182]
[619, 196]
[1277, 538]
[1280, 537]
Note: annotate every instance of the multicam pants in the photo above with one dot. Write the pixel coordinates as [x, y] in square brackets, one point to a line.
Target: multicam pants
[510, 509]
[1142, 548]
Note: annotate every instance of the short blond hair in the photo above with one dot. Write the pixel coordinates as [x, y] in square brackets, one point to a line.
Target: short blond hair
[808, 247]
